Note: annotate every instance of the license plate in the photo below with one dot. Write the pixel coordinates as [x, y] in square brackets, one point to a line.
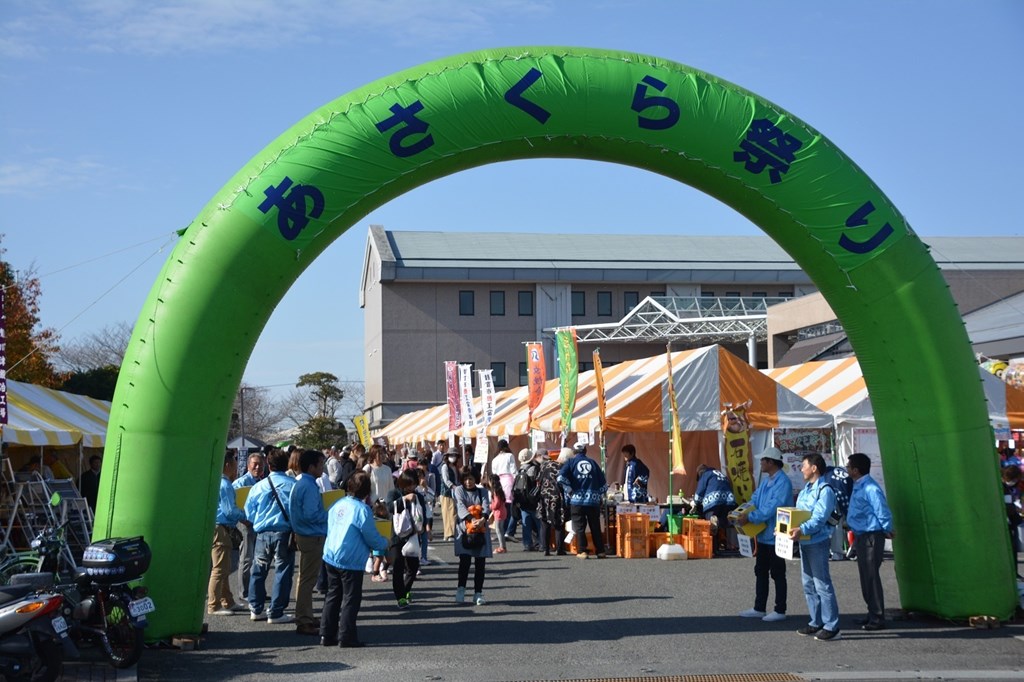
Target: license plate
[141, 607]
[60, 626]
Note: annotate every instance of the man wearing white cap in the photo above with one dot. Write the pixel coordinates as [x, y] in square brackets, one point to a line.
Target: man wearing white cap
[774, 490]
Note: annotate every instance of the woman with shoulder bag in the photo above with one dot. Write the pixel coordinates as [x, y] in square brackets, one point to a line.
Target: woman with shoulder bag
[405, 505]
[473, 537]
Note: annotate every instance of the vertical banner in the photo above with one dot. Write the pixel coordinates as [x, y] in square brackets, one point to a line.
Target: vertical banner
[451, 383]
[676, 465]
[3, 361]
[487, 396]
[599, 380]
[536, 375]
[737, 451]
[466, 395]
[568, 374]
[363, 430]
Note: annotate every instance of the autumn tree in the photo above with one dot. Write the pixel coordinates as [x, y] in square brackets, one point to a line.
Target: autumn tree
[30, 348]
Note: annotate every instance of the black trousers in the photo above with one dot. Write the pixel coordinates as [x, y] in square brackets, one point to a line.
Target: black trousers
[478, 573]
[587, 516]
[341, 605]
[767, 564]
[870, 547]
[403, 571]
[545, 536]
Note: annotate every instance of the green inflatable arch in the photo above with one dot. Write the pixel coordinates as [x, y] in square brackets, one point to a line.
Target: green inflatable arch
[235, 262]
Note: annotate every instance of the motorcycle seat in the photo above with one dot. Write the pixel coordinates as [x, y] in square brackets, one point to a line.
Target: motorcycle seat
[10, 593]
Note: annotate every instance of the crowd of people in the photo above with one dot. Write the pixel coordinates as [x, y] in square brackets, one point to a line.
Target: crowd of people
[284, 517]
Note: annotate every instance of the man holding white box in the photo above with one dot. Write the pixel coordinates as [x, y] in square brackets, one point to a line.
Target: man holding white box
[773, 491]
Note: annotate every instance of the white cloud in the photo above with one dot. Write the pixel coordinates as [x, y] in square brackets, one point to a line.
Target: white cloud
[213, 26]
[47, 175]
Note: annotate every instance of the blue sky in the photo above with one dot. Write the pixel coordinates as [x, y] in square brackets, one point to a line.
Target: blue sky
[120, 119]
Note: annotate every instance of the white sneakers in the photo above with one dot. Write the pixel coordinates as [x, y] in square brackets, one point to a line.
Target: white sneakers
[283, 619]
[478, 599]
[752, 613]
[774, 617]
[262, 615]
[460, 595]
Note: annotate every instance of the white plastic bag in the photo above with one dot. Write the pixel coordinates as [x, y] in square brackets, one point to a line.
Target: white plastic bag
[411, 548]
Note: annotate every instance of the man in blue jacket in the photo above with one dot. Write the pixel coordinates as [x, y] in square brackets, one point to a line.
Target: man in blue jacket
[818, 498]
[585, 485]
[871, 522]
[309, 521]
[714, 500]
[773, 491]
[220, 601]
[267, 509]
[351, 534]
[255, 472]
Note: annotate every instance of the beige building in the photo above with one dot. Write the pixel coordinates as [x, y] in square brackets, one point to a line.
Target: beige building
[475, 298]
[983, 274]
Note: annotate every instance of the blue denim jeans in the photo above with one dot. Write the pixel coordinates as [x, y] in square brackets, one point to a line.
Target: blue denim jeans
[529, 520]
[272, 546]
[821, 596]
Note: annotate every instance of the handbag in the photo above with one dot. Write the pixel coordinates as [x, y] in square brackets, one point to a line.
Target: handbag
[472, 541]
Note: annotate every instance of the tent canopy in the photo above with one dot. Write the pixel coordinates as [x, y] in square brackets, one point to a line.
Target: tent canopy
[637, 399]
[44, 416]
[837, 387]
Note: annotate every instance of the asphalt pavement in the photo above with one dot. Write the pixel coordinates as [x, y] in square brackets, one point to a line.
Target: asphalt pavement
[560, 618]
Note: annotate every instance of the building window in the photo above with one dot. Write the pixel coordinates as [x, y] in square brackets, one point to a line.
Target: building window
[759, 294]
[498, 372]
[524, 375]
[579, 304]
[497, 304]
[630, 300]
[587, 366]
[732, 294]
[604, 304]
[786, 294]
[660, 294]
[466, 303]
[525, 304]
[707, 294]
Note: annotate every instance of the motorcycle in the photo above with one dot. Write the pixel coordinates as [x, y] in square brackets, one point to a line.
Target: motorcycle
[100, 606]
[33, 634]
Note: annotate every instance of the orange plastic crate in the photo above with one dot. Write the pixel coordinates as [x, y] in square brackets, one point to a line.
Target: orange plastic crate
[693, 526]
[697, 546]
[574, 546]
[656, 540]
[635, 547]
[633, 523]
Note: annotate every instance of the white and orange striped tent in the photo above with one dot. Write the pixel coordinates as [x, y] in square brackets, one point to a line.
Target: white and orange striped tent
[636, 393]
[837, 387]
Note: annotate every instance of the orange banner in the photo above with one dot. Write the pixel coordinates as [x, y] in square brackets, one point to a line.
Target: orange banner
[737, 451]
[536, 375]
[599, 380]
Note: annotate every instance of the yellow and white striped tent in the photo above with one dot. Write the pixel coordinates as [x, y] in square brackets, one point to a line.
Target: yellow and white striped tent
[47, 417]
